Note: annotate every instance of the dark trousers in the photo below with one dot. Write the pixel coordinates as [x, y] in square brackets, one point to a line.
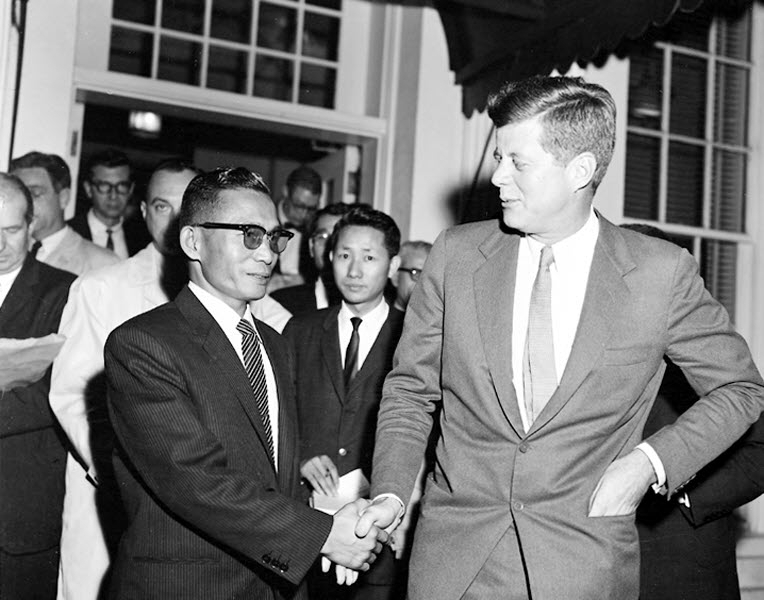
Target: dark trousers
[386, 580]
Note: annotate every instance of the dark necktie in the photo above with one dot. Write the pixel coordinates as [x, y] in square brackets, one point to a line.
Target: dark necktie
[109, 240]
[35, 248]
[351, 356]
[253, 362]
[539, 373]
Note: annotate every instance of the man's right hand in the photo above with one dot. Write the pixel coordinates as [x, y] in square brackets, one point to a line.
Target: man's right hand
[321, 473]
[346, 548]
[385, 513]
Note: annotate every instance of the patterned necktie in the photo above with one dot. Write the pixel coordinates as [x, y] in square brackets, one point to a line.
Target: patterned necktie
[109, 240]
[253, 362]
[351, 356]
[539, 373]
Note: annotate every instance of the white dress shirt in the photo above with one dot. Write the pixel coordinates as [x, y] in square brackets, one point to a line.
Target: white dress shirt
[50, 243]
[228, 319]
[6, 281]
[99, 235]
[368, 330]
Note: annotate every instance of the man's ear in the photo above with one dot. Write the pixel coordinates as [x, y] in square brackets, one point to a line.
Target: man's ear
[581, 170]
[88, 189]
[63, 197]
[392, 271]
[144, 207]
[190, 242]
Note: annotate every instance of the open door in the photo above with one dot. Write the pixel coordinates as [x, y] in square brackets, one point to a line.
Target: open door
[338, 171]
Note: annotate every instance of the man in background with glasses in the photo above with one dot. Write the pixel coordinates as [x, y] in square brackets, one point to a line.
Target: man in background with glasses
[413, 256]
[299, 202]
[201, 398]
[109, 186]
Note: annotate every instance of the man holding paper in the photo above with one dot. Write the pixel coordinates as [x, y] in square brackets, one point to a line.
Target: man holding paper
[32, 456]
[342, 355]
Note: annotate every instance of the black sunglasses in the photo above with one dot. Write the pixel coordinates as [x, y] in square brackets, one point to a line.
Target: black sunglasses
[254, 235]
[413, 272]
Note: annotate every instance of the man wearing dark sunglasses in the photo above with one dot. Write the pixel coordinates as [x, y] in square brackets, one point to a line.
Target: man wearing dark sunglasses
[109, 187]
[413, 256]
[201, 398]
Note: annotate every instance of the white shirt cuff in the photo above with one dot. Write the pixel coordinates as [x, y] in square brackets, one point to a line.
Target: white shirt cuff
[402, 507]
[660, 473]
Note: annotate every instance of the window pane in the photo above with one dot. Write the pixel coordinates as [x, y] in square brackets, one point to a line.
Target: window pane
[273, 78]
[227, 70]
[645, 88]
[183, 15]
[730, 105]
[642, 177]
[688, 96]
[718, 266]
[179, 60]
[335, 4]
[733, 38]
[684, 201]
[130, 52]
[276, 27]
[321, 36]
[728, 191]
[317, 85]
[690, 29]
[138, 11]
[231, 20]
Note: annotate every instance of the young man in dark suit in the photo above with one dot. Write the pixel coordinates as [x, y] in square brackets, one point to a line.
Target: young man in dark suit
[342, 356]
[32, 455]
[201, 399]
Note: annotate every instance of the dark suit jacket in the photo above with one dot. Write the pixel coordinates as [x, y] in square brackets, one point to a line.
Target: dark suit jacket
[492, 479]
[297, 299]
[32, 456]
[335, 422]
[208, 516]
[690, 552]
[136, 234]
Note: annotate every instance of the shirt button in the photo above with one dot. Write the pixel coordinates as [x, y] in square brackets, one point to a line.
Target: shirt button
[342, 452]
[524, 448]
[518, 505]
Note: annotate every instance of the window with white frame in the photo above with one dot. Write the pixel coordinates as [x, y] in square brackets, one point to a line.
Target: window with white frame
[280, 49]
[687, 152]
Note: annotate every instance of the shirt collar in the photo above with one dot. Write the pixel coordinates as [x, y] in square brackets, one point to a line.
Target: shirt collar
[96, 224]
[570, 249]
[53, 240]
[377, 315]
[223, 314]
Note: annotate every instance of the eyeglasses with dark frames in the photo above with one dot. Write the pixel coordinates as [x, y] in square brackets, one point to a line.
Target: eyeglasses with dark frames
[106, 187]
[414, 273]
[253, 235]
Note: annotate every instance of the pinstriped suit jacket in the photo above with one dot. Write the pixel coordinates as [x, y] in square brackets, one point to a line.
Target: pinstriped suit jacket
[208, 515]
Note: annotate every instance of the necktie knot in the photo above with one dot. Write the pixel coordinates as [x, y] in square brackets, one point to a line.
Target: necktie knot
[356, 322]
[547, 257]
[245, 328]
[35, 248]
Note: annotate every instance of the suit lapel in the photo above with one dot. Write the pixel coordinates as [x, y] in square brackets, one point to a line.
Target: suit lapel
[606, 291]
[17, 300]
[225, 361]
[330, 352]
[380, 349]
[494, 286]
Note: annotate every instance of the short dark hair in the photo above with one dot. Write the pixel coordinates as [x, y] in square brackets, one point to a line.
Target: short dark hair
[203, 191]
[417, 245]
[109, 158]
[306, 178]
[14, 182]
[54, 165]
[364, 215]
[337, 209]
[576, 116]
[645, 229]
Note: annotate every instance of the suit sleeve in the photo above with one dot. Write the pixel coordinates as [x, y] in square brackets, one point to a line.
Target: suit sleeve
[184, 465]
[77, 386]
[733, 479]
[717, 363]
[411, 391]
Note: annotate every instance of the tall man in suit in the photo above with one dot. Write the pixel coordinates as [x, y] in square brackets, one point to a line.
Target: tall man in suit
[109, 186]
[342, 355]
[32, 455]
[48, 178]
[544, 343]
[315, 295]
[687, 544]
[202, 402]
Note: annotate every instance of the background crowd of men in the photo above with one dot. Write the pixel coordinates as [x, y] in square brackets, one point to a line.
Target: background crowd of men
[209, 428]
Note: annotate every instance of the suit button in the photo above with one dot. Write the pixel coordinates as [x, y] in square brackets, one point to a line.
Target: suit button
[285, 568]
[342, 452]
[524, 447]
[267, 559]
[518, 505]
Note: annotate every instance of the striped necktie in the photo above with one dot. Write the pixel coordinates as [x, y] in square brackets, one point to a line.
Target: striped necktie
[253, 363]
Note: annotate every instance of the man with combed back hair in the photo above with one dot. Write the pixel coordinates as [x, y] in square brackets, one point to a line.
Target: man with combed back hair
[541, 339]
